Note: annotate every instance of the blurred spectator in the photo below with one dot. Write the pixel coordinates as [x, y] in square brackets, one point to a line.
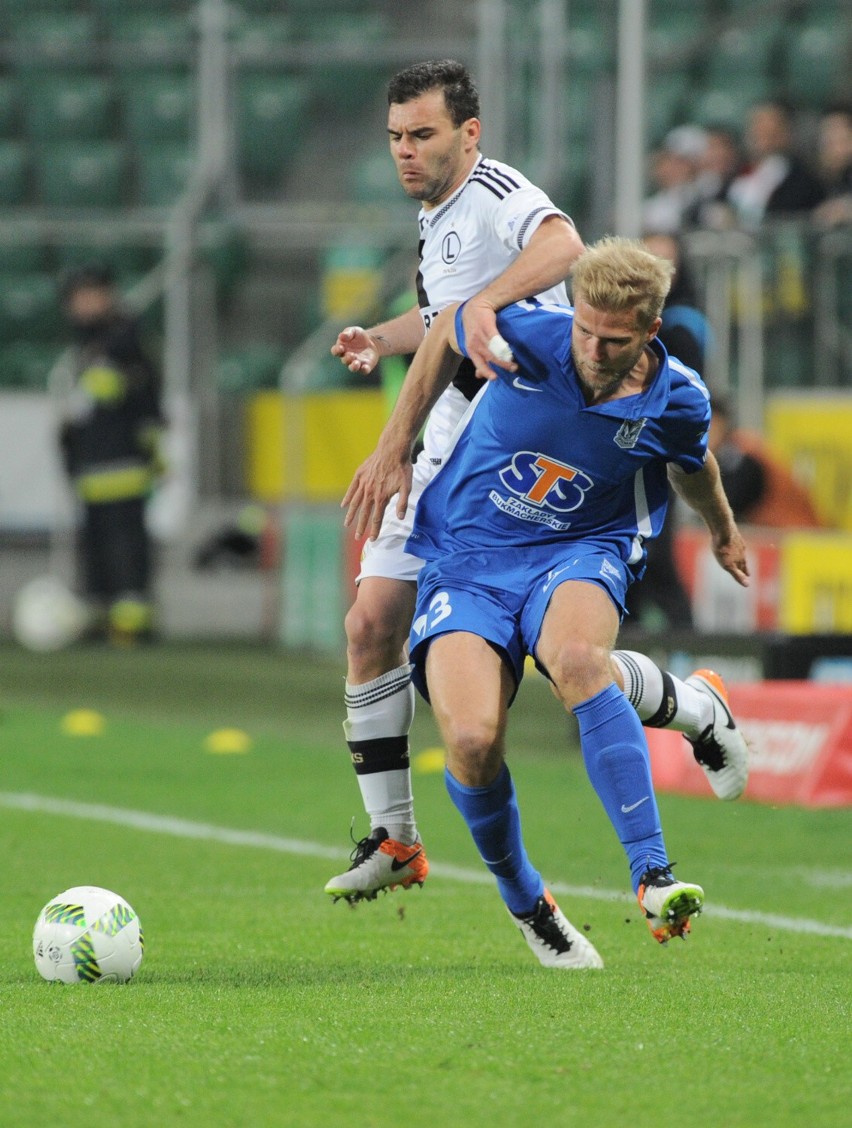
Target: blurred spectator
[111, 424]
[685, 330]
[835, 165]
[721, 163]
[777, 181]
[674, 171]
[760, 488]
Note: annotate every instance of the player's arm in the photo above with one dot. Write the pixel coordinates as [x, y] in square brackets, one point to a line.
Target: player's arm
[544, 262]
[703, 492]
[361, 349]
[388, 469]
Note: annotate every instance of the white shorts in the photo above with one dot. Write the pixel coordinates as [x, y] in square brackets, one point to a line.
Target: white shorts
[386, 556]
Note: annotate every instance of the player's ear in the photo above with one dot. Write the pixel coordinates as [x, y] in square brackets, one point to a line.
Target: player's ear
[654, 328]
[472, 130]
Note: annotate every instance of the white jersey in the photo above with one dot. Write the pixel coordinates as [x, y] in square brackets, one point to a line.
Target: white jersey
[465, 243]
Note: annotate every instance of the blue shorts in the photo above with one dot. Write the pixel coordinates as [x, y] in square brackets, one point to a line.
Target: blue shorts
[502, 595]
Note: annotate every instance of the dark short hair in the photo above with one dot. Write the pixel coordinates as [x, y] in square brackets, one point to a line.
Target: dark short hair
[93, 275]
[460, 93]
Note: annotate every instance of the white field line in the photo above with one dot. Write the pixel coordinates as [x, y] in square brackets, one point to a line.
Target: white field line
[207, 832]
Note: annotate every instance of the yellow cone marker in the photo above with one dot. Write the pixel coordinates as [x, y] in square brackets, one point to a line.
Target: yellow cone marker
[83, 722]
[227, 742]
[430, 760]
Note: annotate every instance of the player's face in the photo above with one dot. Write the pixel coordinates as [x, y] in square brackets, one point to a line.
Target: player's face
[607, 346]
[432, 155]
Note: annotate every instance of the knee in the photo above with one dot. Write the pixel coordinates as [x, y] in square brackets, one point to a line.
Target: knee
[474, 751]
[370, 627]
[579, 669]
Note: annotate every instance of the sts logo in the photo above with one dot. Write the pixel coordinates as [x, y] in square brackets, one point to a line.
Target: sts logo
[543, 489]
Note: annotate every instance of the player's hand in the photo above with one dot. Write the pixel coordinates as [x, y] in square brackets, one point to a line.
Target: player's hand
[356, 349]
[376, 481]
[480, 328]
[730, 551]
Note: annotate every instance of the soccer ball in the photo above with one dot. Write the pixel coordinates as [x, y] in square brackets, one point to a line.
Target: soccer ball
[88, 935]
[46, 616]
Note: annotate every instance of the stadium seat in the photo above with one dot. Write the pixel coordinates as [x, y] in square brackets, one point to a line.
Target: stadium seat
[126, 261]
[256, 37]
[666, 92]
[162, 173]
[743, 55]
[116, 9]
[674, 36]
[225, 249]
[270, 121]
[249, 368]
[727, 105]
[29, 307]
[151, 38]
[817, 57]
[65, 39]
[26, 365]
[374, 178]
[13, 172]
[26, 255]
[81, 174]
[590, 47]
[8, 107]
[159, 107]
[68, 106]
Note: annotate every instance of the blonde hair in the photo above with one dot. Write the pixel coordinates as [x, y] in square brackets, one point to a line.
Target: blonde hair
[615, 274]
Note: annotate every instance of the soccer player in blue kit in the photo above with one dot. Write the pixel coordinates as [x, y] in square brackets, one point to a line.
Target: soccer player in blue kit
[532, 533]
[481, 224]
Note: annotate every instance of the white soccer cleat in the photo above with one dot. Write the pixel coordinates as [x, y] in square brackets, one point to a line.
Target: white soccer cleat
[379, 863]
[721, 749]
[668, 904]
[555, 941]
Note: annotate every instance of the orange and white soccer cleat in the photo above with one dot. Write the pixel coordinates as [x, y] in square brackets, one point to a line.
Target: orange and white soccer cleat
[668, 904]
[721, 749]
[379, 864]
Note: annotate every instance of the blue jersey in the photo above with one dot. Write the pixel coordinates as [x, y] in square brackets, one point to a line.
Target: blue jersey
[534, 465]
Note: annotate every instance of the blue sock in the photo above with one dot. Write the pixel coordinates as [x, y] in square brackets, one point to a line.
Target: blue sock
[616, 755]
[493, 819]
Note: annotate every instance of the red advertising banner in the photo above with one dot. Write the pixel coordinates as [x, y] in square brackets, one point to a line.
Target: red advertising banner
[800, 740]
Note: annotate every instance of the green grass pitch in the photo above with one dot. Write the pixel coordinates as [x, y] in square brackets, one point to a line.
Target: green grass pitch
[259, 1002]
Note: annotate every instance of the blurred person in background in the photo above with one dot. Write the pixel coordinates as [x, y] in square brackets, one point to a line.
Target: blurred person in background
[110, 432]
[834, 157]
[777, 182]
[674, 172]
[760, 488]
[720, 163]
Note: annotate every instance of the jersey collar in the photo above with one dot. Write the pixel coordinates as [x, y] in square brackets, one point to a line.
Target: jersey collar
[429, 219]
[650, 404]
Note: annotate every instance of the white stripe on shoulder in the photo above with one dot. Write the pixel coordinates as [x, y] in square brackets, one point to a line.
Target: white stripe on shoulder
[690, 374]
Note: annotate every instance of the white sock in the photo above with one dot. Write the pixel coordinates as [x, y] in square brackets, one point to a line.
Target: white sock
[378, 717]
[661, 699]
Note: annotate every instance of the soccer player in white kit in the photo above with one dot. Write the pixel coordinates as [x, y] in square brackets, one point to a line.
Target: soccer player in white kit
[488, 235]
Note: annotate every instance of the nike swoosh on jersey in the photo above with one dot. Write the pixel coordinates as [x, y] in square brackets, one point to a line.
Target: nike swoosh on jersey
[516, 383]
[400, 863]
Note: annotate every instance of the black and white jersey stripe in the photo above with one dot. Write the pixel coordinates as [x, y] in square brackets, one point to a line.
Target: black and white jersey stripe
[495, 180]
